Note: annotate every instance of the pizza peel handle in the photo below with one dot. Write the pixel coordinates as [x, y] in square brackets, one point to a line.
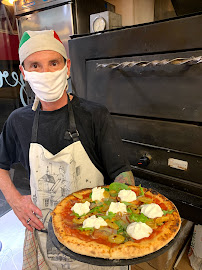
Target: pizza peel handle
[105, 262]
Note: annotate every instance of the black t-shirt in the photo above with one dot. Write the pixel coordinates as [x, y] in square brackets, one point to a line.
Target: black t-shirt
[97, 133]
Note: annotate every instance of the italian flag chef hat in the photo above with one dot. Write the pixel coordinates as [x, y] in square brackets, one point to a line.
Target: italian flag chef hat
[35, 41]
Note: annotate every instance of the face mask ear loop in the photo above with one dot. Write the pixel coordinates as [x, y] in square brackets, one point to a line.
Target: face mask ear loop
[35, 104]
[24, 73]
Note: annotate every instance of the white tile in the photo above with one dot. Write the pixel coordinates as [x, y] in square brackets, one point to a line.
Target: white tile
[12, 234]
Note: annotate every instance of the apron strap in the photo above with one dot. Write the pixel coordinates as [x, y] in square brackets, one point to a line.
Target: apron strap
[72, 132]
[35, 124]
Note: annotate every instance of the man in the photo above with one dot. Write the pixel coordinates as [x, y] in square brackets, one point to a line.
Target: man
[66, 143]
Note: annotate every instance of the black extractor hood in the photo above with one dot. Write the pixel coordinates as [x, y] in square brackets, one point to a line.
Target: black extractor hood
[185, 7]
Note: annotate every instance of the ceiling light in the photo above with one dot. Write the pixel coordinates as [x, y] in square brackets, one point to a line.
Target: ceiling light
[8, 2]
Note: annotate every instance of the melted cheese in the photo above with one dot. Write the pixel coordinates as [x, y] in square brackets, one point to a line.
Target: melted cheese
[97, 193]
[127, 195]
[138, 230]
[116, 207]
[151, 210]
[93, 222]
[81, 208]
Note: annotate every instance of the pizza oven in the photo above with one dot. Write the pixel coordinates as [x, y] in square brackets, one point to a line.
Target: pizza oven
[150, 78]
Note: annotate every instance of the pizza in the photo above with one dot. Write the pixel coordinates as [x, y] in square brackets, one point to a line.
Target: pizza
[115, 221]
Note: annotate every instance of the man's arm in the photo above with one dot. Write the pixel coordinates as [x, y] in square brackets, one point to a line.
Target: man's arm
[22, 206]
[125, 177]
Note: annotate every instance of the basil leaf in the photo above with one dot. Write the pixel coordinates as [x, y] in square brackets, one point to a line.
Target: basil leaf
[167, 212]
[110, 215]
[96, 209]
[120, 230]
[77, 215]
[126, 203]
[107, 202]
[139, 218]
[122, 226]
[86, 229]
[118, 186]
[121, 223]
[118, 223]
[129, 210]
[124, 233]
[106, 189]
[141, 190]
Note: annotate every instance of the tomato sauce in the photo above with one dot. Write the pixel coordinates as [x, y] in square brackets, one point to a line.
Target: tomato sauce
[162, 205]
[87, 238]
[148, 196]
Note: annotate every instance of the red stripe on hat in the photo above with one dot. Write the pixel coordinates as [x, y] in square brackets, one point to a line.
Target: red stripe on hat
[56, 36]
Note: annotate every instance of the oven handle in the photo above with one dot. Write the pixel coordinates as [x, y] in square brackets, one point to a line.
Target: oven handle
[177, 61]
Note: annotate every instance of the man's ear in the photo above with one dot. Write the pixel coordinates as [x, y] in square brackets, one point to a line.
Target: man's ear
[68, 67]
[22, 71]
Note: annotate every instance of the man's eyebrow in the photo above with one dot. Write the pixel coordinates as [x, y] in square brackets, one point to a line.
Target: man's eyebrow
[55, 59]
[33, 63]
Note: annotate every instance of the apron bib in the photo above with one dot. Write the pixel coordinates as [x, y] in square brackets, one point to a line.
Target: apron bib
[52, 178]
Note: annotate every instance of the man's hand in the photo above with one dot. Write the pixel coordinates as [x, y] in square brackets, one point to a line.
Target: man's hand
[27, 212]
[22, 206]
[125, 177]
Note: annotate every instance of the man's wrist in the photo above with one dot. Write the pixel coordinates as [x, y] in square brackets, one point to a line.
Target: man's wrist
[125, 177]
[7, 187]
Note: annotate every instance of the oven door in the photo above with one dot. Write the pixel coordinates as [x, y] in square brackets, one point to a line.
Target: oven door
[157, 109]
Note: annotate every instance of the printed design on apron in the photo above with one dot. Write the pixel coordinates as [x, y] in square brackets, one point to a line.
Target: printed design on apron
[52, 178]
[55, 179]
[52, 185]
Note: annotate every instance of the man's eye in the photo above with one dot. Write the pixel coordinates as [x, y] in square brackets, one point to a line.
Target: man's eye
[54, 64]
[34, 66]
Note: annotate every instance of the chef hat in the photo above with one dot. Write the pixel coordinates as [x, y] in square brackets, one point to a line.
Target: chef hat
[35, 41]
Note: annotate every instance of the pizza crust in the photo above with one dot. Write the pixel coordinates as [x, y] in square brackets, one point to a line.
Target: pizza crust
[126, 250]
[91, 248]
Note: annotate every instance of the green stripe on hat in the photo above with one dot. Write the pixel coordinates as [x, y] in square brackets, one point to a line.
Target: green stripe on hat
[24, 38]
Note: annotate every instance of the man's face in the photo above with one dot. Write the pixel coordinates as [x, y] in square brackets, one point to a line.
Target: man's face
[44, 61]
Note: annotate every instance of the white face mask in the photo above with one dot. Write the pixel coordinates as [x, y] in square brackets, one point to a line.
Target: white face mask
[48, 86]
